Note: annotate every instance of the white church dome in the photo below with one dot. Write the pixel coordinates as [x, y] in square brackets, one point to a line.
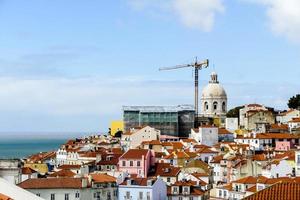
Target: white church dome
[213, 89]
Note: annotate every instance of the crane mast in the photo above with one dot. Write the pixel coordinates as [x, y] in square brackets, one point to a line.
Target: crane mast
[197, 66]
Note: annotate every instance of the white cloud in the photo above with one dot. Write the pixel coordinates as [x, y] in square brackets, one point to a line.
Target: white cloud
[284, 17]
[90, 96]
[195, 14]
[87, 103]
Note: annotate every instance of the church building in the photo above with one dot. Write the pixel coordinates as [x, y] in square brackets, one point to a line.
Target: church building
[214, 100]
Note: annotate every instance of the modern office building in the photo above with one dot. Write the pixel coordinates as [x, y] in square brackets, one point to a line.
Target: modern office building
[170, 120]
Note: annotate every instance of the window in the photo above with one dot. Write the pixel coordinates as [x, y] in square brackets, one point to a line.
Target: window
[206, 159]
[127, 195]
[191, 198]
[205, 106]
[97, 195]
[66, 196]
[138, 163]
[131, 163]
[224, 107]
[225, 193]
[185, 189]
[215, 105]
[115, 193]
[124, 163]
[168, 179]
[141, 195]
[179, 198]
[108, 195]
[175, 190]
[148, 196]
[77, 195]
[52, 196]
[220, 193]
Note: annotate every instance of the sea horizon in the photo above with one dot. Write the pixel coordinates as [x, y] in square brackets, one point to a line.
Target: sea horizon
[23, 144]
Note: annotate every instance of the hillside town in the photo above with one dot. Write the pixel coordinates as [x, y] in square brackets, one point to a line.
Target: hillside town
[157, 153]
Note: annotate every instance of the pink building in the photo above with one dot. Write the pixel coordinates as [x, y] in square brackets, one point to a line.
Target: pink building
[283, 145]
[136, 161]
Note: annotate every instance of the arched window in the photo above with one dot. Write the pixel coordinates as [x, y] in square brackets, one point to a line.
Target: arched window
[224, 106]
[215, 105]
[206, 106]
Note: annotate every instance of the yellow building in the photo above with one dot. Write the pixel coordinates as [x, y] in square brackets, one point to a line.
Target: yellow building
[116, 126]
[39, 167]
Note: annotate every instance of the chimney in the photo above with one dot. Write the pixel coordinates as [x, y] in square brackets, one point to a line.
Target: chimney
[84, 182]
[149, 182]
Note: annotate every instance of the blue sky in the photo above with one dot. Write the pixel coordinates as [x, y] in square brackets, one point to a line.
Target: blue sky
[70, 65]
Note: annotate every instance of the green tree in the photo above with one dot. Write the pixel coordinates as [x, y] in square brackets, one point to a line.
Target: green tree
[234, 112]
[294, 102]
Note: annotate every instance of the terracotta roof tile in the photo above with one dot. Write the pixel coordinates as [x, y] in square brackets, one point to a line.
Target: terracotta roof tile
[28, 170]
[63, 173]
[4, 197]
[224, 131]
[286, 191]
[103, 178]
[138, 181]
[295, 120]
[69, 167]
[51, 183]
[135, 154]
[246, 180]
[166, 170]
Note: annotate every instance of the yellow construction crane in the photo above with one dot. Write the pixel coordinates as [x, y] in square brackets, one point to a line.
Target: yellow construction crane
[197, 66]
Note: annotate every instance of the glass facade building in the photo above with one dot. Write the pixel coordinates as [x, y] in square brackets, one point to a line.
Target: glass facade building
[170, 120]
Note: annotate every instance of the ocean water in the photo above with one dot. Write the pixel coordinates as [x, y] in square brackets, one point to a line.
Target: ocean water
[21, 148]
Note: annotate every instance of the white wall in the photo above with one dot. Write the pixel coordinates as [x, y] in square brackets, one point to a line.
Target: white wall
[232, 124]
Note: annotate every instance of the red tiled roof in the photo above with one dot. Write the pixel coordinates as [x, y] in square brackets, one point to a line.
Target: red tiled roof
[41, 156]
[224, 131]
[4, 197]
[166, 169]
[189, 140]
[286, 191]
[63, 173]
[51, 183]
[206, 150]
[252, 189]
[246, 180]
[295, 120]
[279, 126]
[103, 178]
[200, 146]
[259, 157]
[109, 159]
[270, 136]
[138, 181]
[135, 154]
[185, 183]
[152, 142]
[69, 167]
[217, 159]
[28, 170]
[271, 181]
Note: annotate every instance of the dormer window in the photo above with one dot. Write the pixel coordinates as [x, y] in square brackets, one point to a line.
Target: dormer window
[186, 190]
[175, 190]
